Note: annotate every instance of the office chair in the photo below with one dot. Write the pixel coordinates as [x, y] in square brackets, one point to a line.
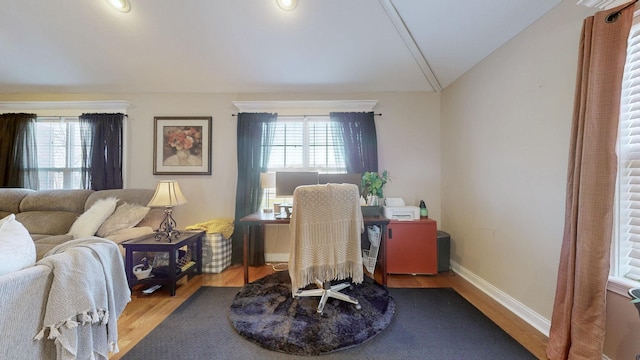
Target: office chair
[326, 225]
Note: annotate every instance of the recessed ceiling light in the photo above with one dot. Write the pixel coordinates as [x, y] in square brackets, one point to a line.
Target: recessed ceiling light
[120, 5]
[287, 5]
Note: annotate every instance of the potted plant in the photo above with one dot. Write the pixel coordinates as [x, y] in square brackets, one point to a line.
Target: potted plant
[372, 184]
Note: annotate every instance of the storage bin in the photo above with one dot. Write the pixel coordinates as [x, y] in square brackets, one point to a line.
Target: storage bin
[216, 253]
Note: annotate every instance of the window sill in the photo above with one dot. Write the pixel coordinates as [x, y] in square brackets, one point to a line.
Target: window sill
[621, 286]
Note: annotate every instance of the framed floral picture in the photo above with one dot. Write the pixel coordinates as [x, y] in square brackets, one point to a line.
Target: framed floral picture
[182, 145]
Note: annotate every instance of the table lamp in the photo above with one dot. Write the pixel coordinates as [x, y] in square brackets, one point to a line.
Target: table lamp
[168, 195]
[268, 181]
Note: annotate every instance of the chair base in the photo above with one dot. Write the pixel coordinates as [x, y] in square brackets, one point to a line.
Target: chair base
[326, 291]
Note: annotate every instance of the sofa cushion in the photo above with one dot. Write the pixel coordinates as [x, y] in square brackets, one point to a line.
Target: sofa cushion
[56, 200]
[153, 218]
[44, 243]
[125, 216]
[88, 223]
[17, 250]
[129, 233]
[51, 212]
[130, 196]
[47, 222]
[10, 200]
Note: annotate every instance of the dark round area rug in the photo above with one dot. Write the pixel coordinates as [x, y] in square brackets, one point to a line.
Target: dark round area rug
[264, 312]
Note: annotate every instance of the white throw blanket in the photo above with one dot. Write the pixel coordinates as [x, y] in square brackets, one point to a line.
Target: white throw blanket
[326, 225]
[88, 292]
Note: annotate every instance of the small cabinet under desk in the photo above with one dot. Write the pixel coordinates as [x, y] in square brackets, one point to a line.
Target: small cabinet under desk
[412, 247]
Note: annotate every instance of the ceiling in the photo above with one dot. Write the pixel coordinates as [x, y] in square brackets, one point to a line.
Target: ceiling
[74, 46]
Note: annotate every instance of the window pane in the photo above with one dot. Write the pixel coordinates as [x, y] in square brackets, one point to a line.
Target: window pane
[325, 149]
[305, 144]
[287, 148]
[59, 153]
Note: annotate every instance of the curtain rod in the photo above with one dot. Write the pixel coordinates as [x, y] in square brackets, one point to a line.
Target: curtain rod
[379, 114]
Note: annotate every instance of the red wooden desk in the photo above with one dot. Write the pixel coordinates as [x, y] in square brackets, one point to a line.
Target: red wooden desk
[262, 218]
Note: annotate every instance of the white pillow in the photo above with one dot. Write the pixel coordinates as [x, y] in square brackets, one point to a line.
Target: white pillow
[88, 223]
[125, 216]
[17, 249]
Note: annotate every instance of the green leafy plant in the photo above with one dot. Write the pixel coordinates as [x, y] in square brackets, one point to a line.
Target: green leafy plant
[372, 183]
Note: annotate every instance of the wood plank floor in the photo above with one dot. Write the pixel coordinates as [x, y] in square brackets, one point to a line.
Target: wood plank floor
[145, 312]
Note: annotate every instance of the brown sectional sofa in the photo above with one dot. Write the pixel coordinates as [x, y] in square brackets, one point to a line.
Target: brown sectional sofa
[49, 214]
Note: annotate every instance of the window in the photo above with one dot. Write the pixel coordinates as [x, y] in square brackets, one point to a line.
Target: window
[306, 143]
[59, 153]
[58, 145]
[626, 241]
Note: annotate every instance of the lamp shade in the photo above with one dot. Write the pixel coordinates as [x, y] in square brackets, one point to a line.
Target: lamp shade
[267, 180]
[167, 194]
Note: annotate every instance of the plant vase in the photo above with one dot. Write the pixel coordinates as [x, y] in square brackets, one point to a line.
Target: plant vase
[183, 156]
[371, 211]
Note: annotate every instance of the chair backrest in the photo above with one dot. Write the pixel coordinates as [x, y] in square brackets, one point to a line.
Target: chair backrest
[326, 225]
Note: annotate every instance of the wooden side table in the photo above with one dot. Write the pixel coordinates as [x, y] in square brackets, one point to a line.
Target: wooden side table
[148, 243]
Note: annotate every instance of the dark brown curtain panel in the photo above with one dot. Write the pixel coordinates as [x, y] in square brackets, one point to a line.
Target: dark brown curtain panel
[101, 136]
[578, 320]
[255, 137]
[18, 156]
[358, 132]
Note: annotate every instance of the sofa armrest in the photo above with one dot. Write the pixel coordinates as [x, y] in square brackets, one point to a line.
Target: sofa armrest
[23, 297]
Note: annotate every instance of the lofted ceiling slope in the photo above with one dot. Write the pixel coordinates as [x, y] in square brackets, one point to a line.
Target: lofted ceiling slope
[84, 46]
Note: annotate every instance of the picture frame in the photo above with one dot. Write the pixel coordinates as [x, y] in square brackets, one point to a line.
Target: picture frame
[182, 145]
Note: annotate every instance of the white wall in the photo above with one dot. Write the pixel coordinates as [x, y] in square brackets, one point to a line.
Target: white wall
[505, 135]
[408, 142]
[505, 145]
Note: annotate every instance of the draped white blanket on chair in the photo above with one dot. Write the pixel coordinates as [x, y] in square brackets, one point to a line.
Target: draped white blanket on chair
[321, 249]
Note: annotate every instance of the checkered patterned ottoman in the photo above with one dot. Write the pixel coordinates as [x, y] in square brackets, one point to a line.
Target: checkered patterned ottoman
[216, 253]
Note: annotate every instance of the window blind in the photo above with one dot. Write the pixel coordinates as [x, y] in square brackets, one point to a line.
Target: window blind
[306, 143]
[628, 242]
[59, 151]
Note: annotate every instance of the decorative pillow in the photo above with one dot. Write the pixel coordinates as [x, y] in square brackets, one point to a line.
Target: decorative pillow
[17, 249]
[125, 216]
[88, 223]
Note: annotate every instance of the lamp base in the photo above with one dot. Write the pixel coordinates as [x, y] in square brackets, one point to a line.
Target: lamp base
[167, 227]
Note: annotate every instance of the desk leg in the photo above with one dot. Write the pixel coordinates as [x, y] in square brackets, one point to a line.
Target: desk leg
[245, 253]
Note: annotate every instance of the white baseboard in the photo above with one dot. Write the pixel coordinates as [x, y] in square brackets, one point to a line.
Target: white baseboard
[533, 318]
[276, 257]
